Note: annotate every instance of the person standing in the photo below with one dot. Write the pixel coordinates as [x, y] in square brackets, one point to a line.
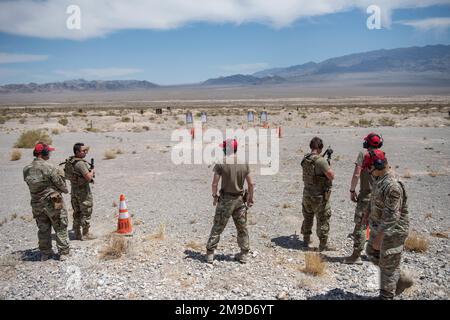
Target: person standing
[232, 201]
[46, 187]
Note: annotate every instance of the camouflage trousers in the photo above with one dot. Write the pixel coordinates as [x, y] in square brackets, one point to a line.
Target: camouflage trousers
[388, 259]
[321, 208]
[359, 232]
[46, 217]
[226, 207]
[82, 204]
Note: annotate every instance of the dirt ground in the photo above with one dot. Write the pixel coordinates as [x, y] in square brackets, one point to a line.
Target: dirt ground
[172, 209]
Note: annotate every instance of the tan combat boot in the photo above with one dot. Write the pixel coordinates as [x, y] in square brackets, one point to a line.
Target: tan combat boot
[78, 235]
[306, 241]
[210, 256]
[323, 246]
[242, 257]
[355, 258]
[46, 255]
[87, 235]
[403, 283]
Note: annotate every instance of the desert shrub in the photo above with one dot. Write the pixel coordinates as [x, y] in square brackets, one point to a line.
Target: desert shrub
[115, 248]
[28, 139]
[109, 154]
[180, 122]
[63, 121]
[126, 119]
[314, 264]
[22, 120]
[15, 154]
[365, 123]
[386, 122]
[416, 242]
[55, 131]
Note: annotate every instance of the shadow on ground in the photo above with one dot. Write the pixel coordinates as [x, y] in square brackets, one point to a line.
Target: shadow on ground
[291, 242]
[339, 294]
[28, 254]
[191, 254]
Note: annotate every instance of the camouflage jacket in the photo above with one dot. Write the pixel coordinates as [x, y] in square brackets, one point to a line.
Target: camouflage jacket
[43, 179]
[388, 205]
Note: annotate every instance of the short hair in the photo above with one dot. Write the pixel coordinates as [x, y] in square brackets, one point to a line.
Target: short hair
[77, 147]
[316, 143]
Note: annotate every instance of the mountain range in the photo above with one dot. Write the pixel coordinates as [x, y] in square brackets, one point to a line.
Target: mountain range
[427, 66]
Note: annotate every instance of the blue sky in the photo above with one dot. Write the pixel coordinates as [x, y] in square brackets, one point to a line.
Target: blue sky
[194, 50]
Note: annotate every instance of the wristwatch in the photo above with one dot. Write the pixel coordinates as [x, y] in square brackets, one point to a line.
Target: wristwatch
[352, 191]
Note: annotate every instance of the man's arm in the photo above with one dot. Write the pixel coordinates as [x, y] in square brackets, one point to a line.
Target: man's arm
[329, 174]
[89, 175]
[58, 181]
[251, 188]
[214, 187]
[354, 183]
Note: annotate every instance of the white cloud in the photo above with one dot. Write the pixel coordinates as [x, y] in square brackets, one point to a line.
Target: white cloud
[16, 58]
[47, 18]
[100, 73]
[428, 24]
[245, 68]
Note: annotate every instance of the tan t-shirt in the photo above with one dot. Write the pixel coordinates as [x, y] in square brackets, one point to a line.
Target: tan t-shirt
[233, 176]
[81, 167]
[365, 179]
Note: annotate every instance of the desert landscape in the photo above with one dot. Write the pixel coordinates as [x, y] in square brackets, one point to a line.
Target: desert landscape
[172, 211]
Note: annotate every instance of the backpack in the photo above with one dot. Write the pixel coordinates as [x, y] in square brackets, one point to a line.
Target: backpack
[69, 169]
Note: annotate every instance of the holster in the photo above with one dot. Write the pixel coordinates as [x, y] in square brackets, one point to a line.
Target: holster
[245, 196]
[57, 200]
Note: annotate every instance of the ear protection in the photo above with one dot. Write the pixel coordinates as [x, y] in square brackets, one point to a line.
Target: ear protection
[379, 164]
[45, 152]
[366, 143]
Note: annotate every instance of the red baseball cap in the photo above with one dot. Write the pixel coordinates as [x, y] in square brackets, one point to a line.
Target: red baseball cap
[374, 140]
[372, 156]
[39, 147]
[229, 142]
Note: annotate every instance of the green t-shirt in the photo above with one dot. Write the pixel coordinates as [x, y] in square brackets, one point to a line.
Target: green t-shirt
[365, 179]
[233, 176]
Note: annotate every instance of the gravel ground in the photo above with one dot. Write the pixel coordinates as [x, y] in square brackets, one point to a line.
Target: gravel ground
[178, 198]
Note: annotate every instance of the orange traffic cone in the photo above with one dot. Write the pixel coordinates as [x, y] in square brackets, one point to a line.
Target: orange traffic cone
[367, 233]
[124, 224]
[193, 132]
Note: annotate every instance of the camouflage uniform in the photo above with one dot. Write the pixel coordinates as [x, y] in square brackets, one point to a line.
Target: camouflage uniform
[316, 197]
[231, 203]
[81, 196]
[46, 185]
[362, 205]
[388, 214]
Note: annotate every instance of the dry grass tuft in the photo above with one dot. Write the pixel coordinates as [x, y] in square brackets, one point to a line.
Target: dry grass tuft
[56, 131]
[63, 121]
[160, 235]
[3, 221]
[13, 217]
[193, 221]
[428, 215]
[407, 174]
[114, 204]
[116, 247]
[416, 242]
[443, 235]
[29, 138]
[119, 151]
[195, 245]
[287, 205]
[109, 154]
[314, 264]
[27, 218]
[433, 173]
[15, 155]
